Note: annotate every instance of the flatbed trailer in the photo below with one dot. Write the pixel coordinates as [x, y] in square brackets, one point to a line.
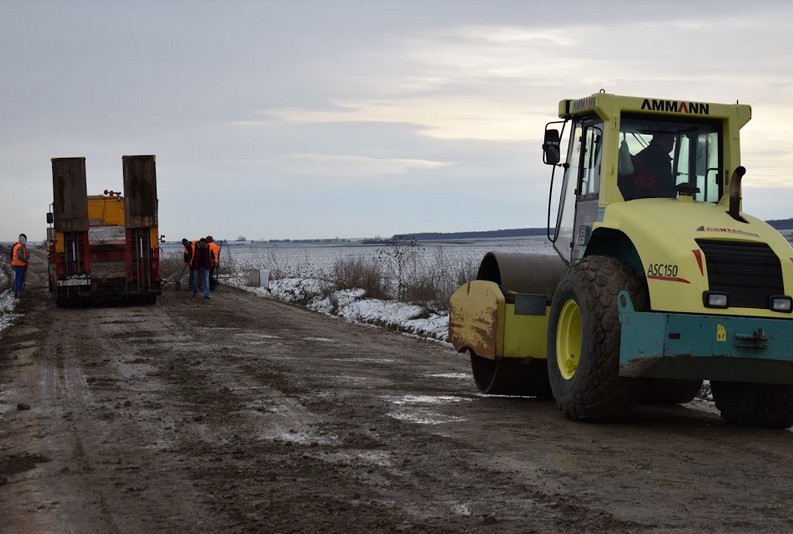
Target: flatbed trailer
[104, 248]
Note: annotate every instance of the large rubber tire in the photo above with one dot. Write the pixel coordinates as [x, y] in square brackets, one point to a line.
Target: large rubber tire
[584, 340]
[669, 391]
[510, 376]
[762, 405]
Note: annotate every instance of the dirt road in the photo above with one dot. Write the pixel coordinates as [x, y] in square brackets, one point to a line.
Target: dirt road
[241, 414]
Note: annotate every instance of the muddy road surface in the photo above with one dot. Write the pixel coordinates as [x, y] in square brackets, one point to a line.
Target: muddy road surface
[240, 414]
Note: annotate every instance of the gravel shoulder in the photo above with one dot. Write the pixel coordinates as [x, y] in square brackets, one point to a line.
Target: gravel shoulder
[242, 414]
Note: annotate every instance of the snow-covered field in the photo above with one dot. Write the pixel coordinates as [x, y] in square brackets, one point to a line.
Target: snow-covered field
[287, 260]
[301, 274]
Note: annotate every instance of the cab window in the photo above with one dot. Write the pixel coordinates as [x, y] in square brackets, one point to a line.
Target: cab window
[665, 158]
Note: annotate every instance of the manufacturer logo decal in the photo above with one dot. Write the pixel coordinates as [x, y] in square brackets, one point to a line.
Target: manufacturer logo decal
[674, 106]
[582, 104]
[726, 231]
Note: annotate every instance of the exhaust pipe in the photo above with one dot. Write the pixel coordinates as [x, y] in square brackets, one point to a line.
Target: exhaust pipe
[735, 192]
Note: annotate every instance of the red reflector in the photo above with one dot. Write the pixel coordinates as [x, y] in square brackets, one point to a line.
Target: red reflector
[674, 335]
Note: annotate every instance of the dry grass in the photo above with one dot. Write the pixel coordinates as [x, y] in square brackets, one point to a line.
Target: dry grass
[429, 285]
[435, 284]
[395, 272]
[171, 264]
[359, 273]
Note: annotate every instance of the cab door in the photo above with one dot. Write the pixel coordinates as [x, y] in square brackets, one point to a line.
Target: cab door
[578, 203]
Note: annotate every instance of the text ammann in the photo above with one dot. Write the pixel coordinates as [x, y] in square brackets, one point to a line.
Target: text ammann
[697, 108]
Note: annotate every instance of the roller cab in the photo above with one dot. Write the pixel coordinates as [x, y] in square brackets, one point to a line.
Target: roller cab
[661, 280]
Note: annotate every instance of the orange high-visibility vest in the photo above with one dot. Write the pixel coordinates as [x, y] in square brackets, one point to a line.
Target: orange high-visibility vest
[15, 261]
[189, 250]
[215, 251]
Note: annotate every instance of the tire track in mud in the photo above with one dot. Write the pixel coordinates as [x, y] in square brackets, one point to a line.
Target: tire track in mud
[109, 478]
[241, 414]
[312, 412]
[259, 448]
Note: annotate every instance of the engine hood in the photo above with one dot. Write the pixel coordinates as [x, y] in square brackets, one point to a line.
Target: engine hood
[667, 235]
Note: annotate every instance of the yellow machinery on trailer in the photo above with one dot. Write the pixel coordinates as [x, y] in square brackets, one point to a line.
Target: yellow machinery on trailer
[104, 248]
[661, 280]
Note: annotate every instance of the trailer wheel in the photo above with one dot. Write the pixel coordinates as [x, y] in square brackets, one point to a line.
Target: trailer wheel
[763, 405]
[510, 376]
[670, 391]
[584, 337]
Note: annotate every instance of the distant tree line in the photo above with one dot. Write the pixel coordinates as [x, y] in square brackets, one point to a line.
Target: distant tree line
[781, 224]
[489, 234]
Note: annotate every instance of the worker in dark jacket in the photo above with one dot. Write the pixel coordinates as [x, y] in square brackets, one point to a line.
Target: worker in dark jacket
[19, 262]
[187, 254]
[201, 263]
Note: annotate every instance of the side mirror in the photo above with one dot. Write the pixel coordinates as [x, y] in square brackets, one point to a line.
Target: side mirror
[50, 218]
[551, 147]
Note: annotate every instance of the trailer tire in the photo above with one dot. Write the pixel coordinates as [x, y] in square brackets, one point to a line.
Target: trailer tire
[584, 338]
[761, 405]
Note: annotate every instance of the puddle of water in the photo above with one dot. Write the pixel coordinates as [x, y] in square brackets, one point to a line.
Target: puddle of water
[352, 456]
[362, 360]
[256, 336]
[457, 376]
[425, 399]
[425, 417]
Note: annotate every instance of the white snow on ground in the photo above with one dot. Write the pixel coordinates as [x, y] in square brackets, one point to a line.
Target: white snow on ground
[7, 303]
[352, 305]
[318, 295]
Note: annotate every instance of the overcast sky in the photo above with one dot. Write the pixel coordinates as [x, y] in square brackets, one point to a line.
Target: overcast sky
[328, 118]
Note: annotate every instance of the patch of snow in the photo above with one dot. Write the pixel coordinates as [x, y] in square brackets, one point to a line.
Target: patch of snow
[353, 305]
[425, 399]
[424, 417]
[7, 307]
[363, 360]
[412, 413]
[456, 376]
[296, 289]
[374, 458]
[255, 336]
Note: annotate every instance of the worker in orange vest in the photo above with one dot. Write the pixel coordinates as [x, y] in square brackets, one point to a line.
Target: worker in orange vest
[19, 261]
[214, 248]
